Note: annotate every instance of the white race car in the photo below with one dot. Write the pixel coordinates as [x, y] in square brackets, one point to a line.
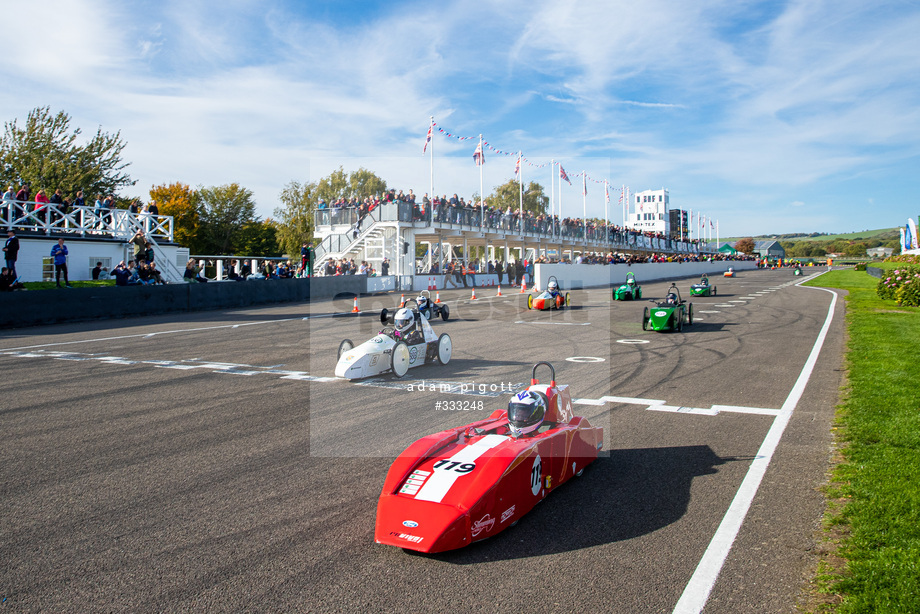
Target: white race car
[393, 350]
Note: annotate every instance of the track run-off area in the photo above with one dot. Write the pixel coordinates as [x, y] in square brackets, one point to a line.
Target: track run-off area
[212, 461]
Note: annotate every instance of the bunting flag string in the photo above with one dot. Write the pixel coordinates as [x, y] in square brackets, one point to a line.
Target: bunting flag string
[487, 144]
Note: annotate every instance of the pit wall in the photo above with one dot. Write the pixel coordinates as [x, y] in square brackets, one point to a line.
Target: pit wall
[575, 276]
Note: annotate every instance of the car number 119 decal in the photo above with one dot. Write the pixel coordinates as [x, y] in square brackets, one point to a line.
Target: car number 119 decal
[536, 475]
[448, 465]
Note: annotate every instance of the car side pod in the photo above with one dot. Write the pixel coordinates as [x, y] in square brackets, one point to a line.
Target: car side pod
[468, 483]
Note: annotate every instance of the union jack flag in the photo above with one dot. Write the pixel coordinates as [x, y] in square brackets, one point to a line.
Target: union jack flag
[427, 139]
[478, 156]
[517, 166]
[606, 194]
[563, 175]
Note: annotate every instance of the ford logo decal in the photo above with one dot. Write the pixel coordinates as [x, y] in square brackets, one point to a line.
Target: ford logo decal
[410, 523]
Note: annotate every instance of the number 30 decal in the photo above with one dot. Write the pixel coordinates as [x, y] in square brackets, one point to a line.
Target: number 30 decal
[536, 475]
[447, 465]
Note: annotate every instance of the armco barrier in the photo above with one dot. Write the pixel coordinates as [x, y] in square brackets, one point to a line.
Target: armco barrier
[31, 308]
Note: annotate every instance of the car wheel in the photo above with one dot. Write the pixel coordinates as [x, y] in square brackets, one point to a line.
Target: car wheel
[399, 359]
[345, 346]
[638, 293]
[714, 292]
[445, 312]
[680, 320]
[690, 314]
[384, 315]
[568, 299]
[425, 313]
[445, 349]
[530, 301]
[645, 318]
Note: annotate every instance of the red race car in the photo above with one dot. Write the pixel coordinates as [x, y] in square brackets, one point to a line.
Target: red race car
[465, 484]
[551, 299]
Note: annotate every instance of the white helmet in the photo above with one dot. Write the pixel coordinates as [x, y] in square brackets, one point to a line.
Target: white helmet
[630, 281]
[552, 286]
[404, 320]
[526, 412]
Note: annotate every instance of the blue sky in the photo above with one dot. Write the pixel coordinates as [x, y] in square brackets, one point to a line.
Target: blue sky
[771, 117]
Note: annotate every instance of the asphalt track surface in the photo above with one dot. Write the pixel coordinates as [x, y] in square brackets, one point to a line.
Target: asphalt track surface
[211, 463]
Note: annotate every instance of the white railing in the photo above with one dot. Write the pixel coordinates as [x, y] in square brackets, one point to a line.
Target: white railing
[50, 219]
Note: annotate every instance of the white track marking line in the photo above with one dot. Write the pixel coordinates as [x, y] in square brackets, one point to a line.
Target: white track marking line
[698, 589]
[658, 405]
[147, 335]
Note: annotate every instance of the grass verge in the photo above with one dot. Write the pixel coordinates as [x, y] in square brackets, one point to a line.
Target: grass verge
[873, 515]
[50, 285]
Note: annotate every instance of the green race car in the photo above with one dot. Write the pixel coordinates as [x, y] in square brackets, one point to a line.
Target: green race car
[703, 288]
[668, 314]
[629, 291]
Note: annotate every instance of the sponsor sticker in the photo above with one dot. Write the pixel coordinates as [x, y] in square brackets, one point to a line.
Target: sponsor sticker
[483, 524]
[406, 536]
[508, 513]
[414, 482]
[410, 523]
[660, 314]
[413, 353]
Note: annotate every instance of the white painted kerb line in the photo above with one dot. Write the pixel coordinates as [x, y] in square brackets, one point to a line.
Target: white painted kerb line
[697, 591]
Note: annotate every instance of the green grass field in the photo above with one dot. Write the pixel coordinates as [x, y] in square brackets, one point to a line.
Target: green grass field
[886, 233]
[874, 492]
[50, 285]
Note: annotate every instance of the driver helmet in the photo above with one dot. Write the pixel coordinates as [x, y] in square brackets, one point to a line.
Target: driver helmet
[403, 321]
[630, 281]
[526, 412]
[422, 301]
[672, 298]
[552, 286]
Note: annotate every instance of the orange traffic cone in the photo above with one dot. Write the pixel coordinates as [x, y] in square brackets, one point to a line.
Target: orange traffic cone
[473, 298]
[402, 301]
[523, 287]
[355, 309]
[499, 290]
[437, 297]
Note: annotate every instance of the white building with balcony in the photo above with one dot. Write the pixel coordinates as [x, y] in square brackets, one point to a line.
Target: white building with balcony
[650, 212]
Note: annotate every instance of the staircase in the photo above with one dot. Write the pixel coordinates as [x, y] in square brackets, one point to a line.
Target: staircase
[338, 246]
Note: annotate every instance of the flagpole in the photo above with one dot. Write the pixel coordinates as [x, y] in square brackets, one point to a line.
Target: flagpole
[690, 226]
[521, 207]
[606, 202]
[481, 201]
[717, 232]
[560, 207]
[552, 198]
[584, 204]
[431, 177]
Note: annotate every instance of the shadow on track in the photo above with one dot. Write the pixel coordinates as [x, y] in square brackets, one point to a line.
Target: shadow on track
[624, 495]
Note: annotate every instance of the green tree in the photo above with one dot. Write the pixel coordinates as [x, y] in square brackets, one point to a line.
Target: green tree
[225, 210]
[45, 153]
[360, 184]
[295, 216]
[857, 248]
[184, 205]
[745, 246]
[260, 239]
[508, 195]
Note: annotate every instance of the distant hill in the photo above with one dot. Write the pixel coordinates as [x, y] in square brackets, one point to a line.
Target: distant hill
[882, 234]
